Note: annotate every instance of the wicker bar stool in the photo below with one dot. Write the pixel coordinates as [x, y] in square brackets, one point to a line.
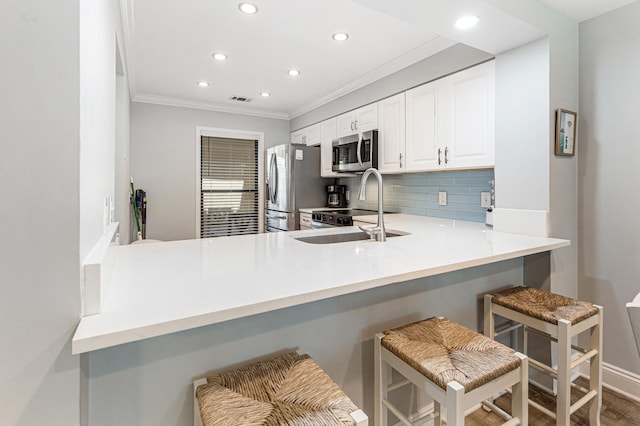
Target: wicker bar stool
[559, 319]
[290, 389]
[454, 365]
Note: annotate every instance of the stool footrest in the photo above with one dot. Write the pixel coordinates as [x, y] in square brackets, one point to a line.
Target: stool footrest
[543, 367]
[404, 419]
[585, 357]
[506, 330]
[545, 410]
[399, 384]
[513, 422]
[579, 403]
[553, 339]
[499, 411]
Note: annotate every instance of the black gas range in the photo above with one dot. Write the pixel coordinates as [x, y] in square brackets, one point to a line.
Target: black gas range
[339, 217]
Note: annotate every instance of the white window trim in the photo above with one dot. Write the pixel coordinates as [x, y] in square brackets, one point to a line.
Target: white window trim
[232, 134]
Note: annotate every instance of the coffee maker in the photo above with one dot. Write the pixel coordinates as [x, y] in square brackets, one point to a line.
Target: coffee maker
[337, 196]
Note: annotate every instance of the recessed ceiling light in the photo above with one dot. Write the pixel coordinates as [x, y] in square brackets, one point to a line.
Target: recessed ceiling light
[293, 72]
[265, 94]
[340, 36]
[467, 22]
[248, 8]
[203, 83]
[219, 56]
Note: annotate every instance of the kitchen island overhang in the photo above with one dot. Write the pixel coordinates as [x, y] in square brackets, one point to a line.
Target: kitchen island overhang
[163, 288]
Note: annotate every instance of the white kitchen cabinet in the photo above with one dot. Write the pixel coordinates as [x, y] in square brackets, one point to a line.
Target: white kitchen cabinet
[469, 136]
[327, 135]
[358, 121]
[297, 137]
[305, 220]
[451, 122]
[391, 134]
[309, 136]
[313, 136]
[424, 125]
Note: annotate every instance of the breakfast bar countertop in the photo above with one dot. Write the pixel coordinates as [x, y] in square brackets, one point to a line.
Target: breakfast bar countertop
[166, 287]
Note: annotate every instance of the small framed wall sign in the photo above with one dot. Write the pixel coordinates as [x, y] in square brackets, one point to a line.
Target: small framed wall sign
[566, 123]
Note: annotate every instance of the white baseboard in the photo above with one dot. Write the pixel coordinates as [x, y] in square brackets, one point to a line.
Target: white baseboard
[618, 380]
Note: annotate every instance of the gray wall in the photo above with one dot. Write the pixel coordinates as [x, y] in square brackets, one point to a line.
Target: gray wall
[609, 151]
[163, 160]
[57, 164]
[149, 383]
[39, 212]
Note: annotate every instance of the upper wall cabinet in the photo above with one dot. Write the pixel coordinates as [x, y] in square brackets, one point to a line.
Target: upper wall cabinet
[328, 134]
[309, 136]
[358, 121]
[391, 134]
[451, 122]
[469, 137]
[424, 126]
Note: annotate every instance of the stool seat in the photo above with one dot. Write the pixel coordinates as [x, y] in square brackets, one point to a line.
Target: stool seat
[545, 306]
[455, 366]
[286, 390]
[557, 319]
[444, 351]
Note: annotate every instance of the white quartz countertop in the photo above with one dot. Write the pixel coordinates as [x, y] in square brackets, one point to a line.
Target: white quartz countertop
[165, 287]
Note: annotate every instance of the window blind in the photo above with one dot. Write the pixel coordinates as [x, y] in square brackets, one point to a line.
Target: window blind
[228, 187]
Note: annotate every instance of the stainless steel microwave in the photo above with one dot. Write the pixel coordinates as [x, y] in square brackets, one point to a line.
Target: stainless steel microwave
[355, 153]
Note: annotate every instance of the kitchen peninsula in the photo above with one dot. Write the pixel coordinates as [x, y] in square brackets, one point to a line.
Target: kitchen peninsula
[167, 287]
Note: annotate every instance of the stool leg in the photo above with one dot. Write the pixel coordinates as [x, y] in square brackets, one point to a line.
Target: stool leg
[564, 373]
[520, 394]
[455, 408]
[595, 373]
[489, 321]
[380, 382]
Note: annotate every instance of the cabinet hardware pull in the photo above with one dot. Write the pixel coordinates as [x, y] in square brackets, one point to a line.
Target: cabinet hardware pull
[439, 160]
[352, 125]
[446, 155]
[400, 160]
[356, 125]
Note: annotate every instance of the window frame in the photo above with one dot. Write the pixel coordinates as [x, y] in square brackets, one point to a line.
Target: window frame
[231, 134]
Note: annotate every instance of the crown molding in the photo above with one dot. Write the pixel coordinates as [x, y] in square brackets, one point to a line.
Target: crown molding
[185, 103]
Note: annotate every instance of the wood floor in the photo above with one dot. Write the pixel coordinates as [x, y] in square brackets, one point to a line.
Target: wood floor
[616, 410]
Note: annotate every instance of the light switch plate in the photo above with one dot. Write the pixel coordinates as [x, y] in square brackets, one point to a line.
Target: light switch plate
[485, 199]
[442, 198]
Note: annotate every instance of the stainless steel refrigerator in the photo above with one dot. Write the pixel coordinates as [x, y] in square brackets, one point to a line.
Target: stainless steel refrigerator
[293, 181]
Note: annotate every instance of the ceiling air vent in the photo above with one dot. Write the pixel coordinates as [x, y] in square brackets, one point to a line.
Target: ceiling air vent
[240, 99]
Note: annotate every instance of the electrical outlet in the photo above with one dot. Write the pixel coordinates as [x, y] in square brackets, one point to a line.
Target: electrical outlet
[442, 198]
[485, 199]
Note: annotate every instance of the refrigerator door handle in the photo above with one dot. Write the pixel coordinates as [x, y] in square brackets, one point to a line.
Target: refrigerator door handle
[273, 179]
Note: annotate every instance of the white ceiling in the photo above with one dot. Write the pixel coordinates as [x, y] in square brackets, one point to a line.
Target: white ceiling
[169, 46]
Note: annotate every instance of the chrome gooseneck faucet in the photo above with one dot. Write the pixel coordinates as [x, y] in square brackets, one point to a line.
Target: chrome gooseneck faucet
[378, 232]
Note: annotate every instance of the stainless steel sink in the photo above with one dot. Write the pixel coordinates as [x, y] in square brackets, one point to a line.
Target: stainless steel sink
[343, 238]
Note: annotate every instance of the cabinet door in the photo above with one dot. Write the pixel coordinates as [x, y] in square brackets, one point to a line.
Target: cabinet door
[391, 134]
[328, 134]
[470, 139]
[313, 136]
[423, 127]
[298, 137]
[366, 118]
[346, 124]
